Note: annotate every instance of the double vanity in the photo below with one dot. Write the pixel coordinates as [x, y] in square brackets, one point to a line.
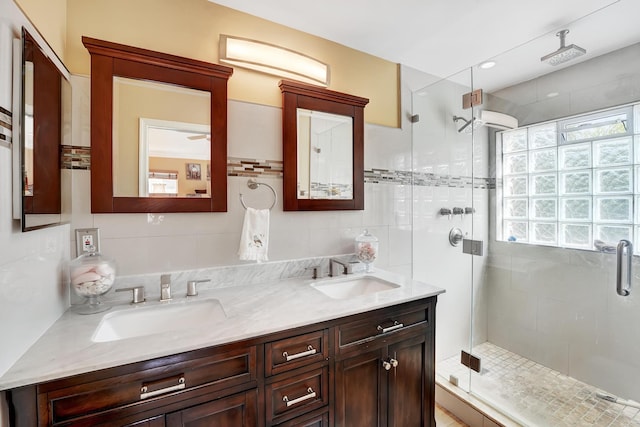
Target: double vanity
[352, 350]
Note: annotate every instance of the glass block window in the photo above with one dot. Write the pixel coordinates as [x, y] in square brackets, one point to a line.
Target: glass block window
[570, 182]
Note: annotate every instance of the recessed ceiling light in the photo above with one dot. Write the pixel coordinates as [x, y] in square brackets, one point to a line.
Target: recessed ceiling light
[552, 94]
[487, 64]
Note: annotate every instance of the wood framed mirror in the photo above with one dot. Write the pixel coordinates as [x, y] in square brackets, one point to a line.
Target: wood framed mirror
[42, 125]
[137, 93]
[323, 148]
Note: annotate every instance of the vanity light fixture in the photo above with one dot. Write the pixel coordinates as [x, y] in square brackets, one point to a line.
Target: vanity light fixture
[272, 59]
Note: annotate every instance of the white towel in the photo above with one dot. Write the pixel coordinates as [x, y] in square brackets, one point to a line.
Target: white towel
[254, 239]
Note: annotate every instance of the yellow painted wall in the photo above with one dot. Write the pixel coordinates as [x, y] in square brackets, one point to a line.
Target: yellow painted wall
[50, 18]
[191, 28]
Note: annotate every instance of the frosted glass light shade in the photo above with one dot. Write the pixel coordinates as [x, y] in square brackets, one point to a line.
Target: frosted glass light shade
[272, 59]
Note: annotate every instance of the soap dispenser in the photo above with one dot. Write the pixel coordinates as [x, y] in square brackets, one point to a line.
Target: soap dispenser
[366, 248]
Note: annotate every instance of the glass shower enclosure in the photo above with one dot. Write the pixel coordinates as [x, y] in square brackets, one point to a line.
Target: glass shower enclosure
[521, 202]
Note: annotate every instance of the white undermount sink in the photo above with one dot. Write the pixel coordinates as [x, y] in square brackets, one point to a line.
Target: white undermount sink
[174, 316]
[351, 287]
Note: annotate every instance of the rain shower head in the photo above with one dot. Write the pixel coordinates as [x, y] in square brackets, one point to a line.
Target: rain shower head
[564, 53]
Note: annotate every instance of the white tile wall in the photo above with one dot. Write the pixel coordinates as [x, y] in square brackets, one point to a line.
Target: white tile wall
[142, 243]
[440, 149]
[32, 296]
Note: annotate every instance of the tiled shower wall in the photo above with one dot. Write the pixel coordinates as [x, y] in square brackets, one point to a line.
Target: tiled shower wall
[558, 307]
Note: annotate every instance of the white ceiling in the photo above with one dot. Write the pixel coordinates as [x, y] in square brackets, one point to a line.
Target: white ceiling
[443, 37]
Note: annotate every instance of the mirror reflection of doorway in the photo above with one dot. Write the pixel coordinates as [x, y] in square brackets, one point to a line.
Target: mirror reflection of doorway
[173, 156]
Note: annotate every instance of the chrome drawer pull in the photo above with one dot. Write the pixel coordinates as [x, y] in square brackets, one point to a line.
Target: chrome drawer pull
[145, 395]
[310, 394]
[395, 326]
[309, 352]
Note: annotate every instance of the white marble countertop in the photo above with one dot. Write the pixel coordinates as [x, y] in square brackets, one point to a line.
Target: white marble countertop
[66, 348]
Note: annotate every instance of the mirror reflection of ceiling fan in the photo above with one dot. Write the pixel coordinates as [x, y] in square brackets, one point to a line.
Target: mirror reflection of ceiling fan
[199, 136]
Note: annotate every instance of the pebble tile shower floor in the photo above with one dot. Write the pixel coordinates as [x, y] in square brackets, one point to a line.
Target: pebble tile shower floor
[539, 396]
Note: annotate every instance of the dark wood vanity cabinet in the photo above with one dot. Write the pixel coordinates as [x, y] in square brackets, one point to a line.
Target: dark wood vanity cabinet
[239, 410]
[141, 394]
[370, 369]
[384, 370]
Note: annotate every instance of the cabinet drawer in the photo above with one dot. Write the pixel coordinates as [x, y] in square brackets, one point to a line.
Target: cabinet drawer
[315, 419]
[382, 323]
[152, 384]
[297, 394]
[294, 352]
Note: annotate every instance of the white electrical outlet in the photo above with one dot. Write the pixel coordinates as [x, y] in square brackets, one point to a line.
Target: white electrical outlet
[87, 240]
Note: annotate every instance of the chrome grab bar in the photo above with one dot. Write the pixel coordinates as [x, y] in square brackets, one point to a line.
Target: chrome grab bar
[622, 246]
[310, 394]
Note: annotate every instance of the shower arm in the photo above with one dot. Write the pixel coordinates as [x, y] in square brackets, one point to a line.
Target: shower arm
[456, 119]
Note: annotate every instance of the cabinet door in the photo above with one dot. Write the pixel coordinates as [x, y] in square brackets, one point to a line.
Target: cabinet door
[309, 420]
[409, 388]
[238, 410]
[361, 391]
[152, 422]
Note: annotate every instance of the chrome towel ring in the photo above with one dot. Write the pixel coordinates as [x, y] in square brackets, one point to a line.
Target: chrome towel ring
[253, 184]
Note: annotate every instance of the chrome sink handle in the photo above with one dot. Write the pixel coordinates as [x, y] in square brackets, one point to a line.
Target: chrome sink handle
[316, 271]
[192, 289]
[138, 293]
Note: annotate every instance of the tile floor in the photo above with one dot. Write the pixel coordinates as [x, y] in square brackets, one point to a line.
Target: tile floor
[534, 394]
[445, 418]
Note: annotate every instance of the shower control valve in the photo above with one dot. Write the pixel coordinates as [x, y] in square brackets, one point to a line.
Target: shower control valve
[446, 211]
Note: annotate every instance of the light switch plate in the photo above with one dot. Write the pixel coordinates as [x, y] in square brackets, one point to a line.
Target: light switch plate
[87, 240]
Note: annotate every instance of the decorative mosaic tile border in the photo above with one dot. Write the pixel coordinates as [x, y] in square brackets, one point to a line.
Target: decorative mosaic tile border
[5, 125]
[237, 166]
[74, 157]
[376, 176]
[426, 179]
[80, 158]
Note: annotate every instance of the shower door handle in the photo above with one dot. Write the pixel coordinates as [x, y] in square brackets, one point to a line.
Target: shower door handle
[622, 246]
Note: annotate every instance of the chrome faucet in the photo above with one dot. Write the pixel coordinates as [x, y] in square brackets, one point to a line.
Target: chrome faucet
[165, 287]
[346, 266]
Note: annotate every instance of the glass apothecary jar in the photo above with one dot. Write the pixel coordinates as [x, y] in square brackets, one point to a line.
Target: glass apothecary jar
[92, 275]
[367, 248]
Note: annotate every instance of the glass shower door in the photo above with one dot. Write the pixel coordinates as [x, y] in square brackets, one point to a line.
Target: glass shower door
[444, 209]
